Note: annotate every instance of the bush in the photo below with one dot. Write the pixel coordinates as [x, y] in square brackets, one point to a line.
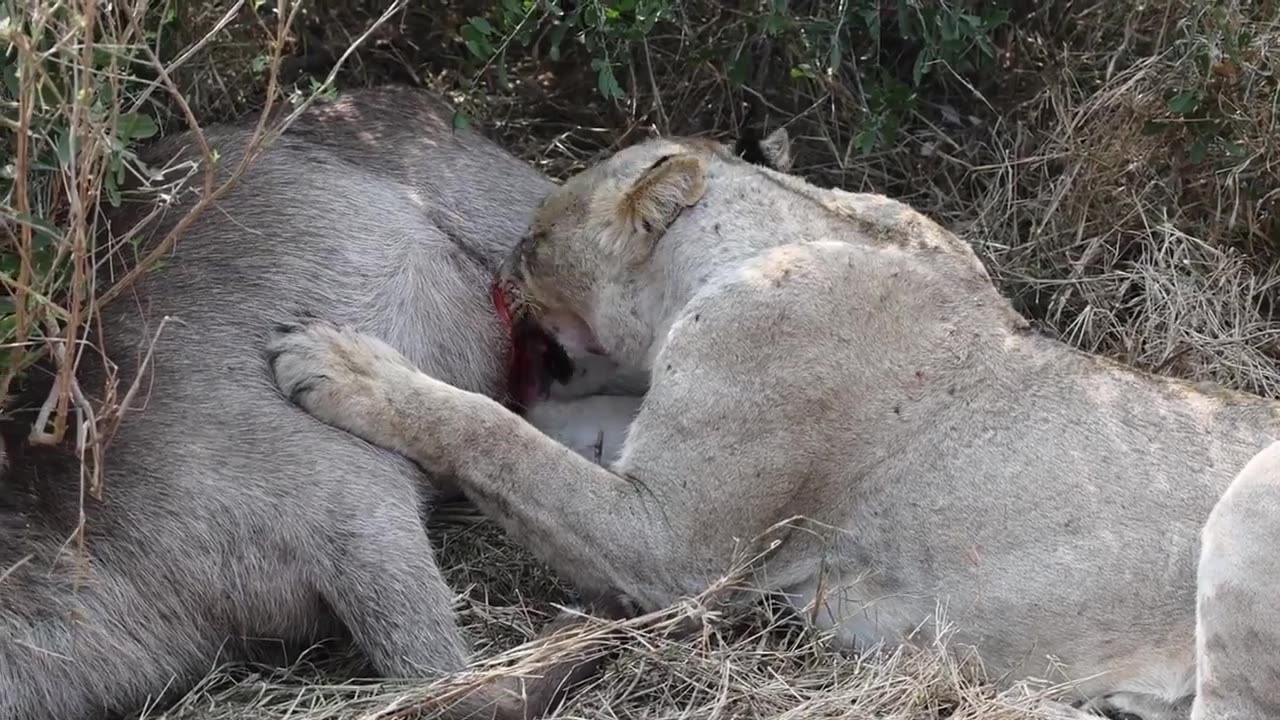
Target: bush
[1124, 197]
[890, 51]
[84, 85]
[1116, 166]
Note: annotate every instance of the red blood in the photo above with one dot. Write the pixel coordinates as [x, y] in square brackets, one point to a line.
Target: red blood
[499, 296]
[525, 371]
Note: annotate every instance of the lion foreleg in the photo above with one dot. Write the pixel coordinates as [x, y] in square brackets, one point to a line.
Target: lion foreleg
[599, 530]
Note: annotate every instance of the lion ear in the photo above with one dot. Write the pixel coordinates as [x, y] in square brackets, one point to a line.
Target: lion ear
[649, 206]
[777, 149]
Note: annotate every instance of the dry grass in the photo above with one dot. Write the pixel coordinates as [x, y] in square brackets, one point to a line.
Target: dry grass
[84, 86]
[754, 663]
[1118, 217]
[1099, 220]
[1115, 223]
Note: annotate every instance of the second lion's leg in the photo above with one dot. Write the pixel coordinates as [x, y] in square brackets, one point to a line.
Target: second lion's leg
[1238, 598]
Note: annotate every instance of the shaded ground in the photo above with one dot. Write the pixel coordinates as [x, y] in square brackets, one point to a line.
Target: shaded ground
[757, 664]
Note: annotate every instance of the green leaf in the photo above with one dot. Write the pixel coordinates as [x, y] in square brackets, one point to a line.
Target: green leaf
[904, 20]
[10, 73]
[102, 58]
[8, 327]
[557, 37]
[803, 70]
[741, 69]
[460, 120]
[950, 29]
[984, 44]
[606, 83]
[647, 24]
[112, 189]
[476, 42]
[503, 81]
[63, 148]
[1199, 149]
[482, 26]
[136, 126]
[867, 141]
[1184, 103]
[921, 67]
[871, 18]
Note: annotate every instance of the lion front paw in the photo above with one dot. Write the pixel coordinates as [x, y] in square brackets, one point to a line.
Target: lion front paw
[340, 376]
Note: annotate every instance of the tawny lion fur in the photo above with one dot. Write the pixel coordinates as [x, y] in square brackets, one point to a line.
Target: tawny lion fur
[842, 359]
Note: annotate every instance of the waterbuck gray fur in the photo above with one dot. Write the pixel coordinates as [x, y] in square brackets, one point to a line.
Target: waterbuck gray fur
[232, 519]
[841, 358]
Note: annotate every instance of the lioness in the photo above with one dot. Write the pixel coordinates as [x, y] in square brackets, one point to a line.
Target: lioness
[840, 358]
[232, 521]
